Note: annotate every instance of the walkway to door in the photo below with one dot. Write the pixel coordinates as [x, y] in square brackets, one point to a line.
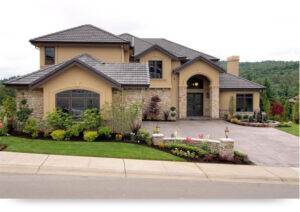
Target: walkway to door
[265, 146]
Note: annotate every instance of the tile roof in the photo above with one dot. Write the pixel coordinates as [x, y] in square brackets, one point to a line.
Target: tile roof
[80, 34]
[199, 57]
[180, 51]
[123, 74]
[232, 82]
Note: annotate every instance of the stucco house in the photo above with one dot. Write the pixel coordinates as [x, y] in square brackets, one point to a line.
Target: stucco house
[81, 68]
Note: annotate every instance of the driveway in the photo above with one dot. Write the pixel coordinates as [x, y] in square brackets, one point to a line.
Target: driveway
[264, 146]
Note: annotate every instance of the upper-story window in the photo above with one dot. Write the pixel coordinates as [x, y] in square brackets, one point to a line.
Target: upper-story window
[244, 102]
[155, 67]
[49, 55]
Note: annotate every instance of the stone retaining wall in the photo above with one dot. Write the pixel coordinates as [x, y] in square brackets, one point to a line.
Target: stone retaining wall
[223, 146]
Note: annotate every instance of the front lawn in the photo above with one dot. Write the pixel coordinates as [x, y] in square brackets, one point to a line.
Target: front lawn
[97, 149]
[294, 129]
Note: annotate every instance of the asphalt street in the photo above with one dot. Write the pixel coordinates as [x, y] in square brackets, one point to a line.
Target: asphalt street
[66, 186]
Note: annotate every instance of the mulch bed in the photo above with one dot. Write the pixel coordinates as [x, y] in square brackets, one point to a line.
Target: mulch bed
[202, 160]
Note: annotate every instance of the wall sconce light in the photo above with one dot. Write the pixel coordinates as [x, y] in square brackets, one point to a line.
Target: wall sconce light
[226, 132]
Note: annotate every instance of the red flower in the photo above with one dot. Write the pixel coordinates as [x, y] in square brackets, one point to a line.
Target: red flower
[1, 126]
[188, 139]
[201, 136]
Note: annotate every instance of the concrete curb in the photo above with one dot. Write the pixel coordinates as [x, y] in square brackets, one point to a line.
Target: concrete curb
[93, 166]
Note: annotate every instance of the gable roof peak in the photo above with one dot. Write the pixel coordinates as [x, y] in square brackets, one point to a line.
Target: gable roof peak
[81, 34]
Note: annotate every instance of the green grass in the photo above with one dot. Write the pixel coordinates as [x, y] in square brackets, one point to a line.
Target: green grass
[294, 129]
[96, 149]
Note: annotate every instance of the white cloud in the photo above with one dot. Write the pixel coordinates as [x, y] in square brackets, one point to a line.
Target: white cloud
[255, 29]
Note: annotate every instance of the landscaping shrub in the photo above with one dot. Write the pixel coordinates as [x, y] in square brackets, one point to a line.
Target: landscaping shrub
[58, 120]
[74, 130]
[251, 119]
[285, 124]
[118, 137]
[172, 108]
[232, 106]
[23, 113]
[186, 148]
[296, 111]
[3, 129]
[92, 119]
[225, 116]
[166, 115]
[90, 136]
[245, 117]
[123, 115]
[31, 127]
[105, 132]
[9, 107]
[154, 109]
[276, 117]
[238, 116]
[235, 121]
[144, 135]
[287, 115]
[277, 109]
[58, 135]
[173, 114]
[266, 103]
[240, 157]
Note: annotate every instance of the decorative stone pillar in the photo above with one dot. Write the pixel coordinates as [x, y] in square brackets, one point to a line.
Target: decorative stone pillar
[226, 148]
[214, 102]
[182, 102]
[157, 138]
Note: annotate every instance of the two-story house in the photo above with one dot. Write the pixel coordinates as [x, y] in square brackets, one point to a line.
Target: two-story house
[81, 68]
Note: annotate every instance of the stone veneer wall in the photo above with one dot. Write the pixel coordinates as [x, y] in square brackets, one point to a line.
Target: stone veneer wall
[34, 101]
[145, 95]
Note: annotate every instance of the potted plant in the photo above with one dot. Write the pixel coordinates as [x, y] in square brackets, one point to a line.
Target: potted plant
[173, 113]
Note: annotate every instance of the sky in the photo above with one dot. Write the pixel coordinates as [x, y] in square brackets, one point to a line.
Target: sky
[255, 30]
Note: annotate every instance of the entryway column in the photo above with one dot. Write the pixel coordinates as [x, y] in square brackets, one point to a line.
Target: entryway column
[182, 102]
[214, 102]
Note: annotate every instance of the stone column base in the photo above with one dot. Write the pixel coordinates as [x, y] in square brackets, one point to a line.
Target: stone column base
[226, 148]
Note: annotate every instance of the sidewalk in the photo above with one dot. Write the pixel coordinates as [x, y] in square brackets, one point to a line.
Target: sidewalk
[96, 166]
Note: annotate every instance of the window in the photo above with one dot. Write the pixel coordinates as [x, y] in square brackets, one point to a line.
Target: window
[195, 83]
[244, 102]
[49, 55]
[155, 67]
[75, 102]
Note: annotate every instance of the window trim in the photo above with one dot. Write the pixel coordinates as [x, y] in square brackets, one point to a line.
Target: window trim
[244, 106]
[155, 68]
[45, 59]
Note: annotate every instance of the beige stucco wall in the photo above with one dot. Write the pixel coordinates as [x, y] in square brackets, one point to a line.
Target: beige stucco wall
[165, 82]
[226, 95]
[74, 78]
[103, 53]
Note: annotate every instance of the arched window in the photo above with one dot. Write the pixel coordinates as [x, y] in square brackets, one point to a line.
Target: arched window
[195, 83]
[75, 102]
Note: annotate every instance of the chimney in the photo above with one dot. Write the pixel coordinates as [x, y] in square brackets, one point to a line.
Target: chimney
[233, 65]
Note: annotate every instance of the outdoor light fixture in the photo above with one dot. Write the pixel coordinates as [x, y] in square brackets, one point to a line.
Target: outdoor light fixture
[226, 132]
[157, 129]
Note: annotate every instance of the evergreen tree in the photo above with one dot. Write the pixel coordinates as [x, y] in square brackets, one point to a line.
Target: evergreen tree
[287, 116]
[269, 91]
[266, 103]
[296, 111]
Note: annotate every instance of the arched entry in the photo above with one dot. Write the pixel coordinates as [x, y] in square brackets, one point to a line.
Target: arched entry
[198, 96]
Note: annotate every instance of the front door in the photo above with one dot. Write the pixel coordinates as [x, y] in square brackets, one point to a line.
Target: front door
[195, 104]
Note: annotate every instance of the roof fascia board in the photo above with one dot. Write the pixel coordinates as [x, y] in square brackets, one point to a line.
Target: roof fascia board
[69, 65]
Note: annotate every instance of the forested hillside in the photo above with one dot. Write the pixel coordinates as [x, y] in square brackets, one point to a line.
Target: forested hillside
[281, 76]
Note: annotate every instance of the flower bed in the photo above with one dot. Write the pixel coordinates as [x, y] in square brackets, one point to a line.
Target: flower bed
[3, 147]
[269, 123]
[195, 154]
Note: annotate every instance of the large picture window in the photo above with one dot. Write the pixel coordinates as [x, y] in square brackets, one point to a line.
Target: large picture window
[244, 102]
[75, 102]
[155, 67]
[49, 55]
